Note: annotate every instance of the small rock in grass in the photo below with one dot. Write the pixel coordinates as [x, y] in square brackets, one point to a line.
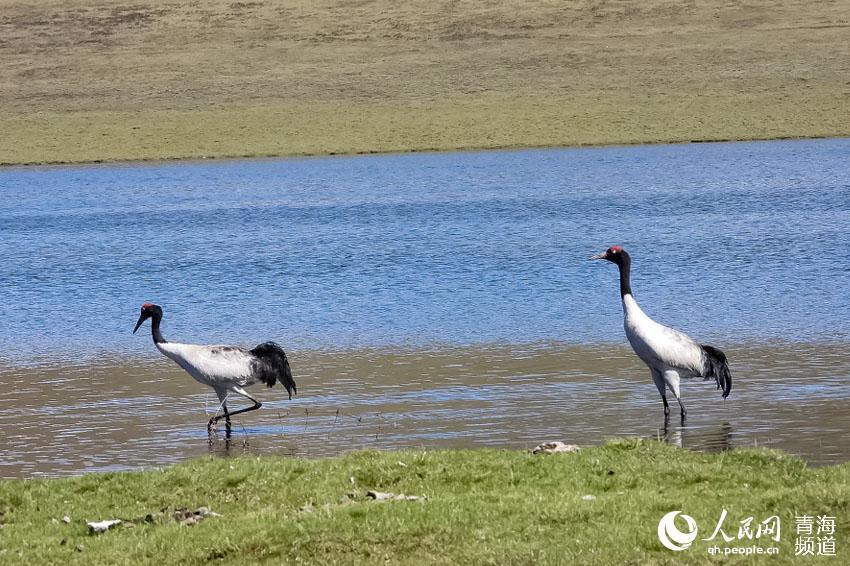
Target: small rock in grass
[380, 495]
[96, 527]
[386, 496]
[186, 517]
[181, 514]
[588, 497]
[206, 512]
[66, 519]
[79, 548]
[553, 447]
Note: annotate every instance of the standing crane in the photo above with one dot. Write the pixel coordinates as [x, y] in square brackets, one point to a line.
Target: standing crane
[227, 369]
[669, 354]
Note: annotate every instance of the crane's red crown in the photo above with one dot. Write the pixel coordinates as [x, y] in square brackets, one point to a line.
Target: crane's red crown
[148, 305]
[615, 249]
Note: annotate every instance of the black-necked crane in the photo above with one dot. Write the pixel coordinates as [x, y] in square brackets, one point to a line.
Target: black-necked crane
[670, 354]
[227, 369]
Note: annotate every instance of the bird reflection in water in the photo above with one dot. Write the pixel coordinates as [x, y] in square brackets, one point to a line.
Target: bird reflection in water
[706, 438]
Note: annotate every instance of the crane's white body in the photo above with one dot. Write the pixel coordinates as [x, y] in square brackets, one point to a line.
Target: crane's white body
[224, 368]
[669, 354]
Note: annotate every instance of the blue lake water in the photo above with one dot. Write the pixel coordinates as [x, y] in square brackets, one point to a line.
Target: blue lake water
[733, 242]
[426, 301]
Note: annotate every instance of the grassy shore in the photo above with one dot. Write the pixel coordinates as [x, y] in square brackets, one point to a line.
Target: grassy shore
[481, 507]
[96, 80]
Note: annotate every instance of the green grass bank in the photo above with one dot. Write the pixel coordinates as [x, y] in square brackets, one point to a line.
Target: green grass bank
[481, 507]
[98, 80]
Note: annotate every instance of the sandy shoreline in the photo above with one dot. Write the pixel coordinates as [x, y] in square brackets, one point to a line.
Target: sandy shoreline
[470, 149]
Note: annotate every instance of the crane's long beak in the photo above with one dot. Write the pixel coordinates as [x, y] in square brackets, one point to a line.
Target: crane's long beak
[143, 317]
[598, 256]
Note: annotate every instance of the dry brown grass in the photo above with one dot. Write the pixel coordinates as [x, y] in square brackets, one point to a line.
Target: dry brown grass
[96, 80]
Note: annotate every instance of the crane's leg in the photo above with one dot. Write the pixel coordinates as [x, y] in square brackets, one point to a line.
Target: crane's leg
[672, 379]
[222, 397]
[227, 415]
[658, 378]
[226, 421]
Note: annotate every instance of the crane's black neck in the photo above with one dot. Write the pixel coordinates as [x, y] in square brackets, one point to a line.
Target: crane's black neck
[156, 318]
[624, 262]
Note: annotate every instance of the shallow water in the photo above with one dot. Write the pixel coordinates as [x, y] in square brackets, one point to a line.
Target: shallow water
[426, 300]
[67, 421]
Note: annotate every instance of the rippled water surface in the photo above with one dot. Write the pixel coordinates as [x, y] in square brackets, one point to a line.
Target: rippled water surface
[69, 420]
[432, 299]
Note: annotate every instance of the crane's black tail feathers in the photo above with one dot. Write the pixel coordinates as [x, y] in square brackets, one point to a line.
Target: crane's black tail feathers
[717, 367]
[273, 366]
